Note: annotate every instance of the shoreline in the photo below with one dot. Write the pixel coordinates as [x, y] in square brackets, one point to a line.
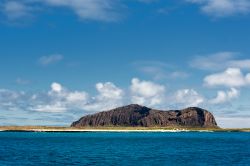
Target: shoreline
[113, 129]
[94, 130]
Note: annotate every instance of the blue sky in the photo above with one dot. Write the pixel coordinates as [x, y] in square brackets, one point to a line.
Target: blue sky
[61, 59]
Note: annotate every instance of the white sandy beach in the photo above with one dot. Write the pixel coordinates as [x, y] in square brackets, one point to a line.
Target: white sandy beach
[98, 130]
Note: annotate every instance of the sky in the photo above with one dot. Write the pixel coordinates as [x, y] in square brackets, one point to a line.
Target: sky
[62, 59]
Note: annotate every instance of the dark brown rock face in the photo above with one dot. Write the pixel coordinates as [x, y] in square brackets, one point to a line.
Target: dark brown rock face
[140, 116]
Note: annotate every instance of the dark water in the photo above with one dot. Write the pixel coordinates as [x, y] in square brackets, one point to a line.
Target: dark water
[124, 148]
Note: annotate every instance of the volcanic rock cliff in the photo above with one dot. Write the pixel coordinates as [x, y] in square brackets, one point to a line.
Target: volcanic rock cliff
[139, 116]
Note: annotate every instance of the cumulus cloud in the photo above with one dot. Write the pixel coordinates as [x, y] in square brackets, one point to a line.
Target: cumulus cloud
[56, 87]
[147, 92]
[188, 98]
[98, 10]
[223, 8]
[109, 96]
[223, 97]
[232, 77]
[109, 90]
[51, 59]
[59, 99]
[76, 97]
[220, 61]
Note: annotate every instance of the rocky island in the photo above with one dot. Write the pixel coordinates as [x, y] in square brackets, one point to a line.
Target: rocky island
[136, 118]
[140, 116]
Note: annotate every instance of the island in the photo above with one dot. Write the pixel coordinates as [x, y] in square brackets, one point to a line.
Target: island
[137, 118]
[135, 115]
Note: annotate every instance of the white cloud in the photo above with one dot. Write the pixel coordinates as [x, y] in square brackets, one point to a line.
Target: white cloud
[109, 90]
[8, 95]
[188, 98]
[16, 10]
[223, 97]
[232, 77]
[109, 96]
[59, 99]
[55, 108]
[89, 9]
[223, 8]
[146, 88]
[13, 100]
[56, 87]
[51, 59]
[146, 92]
[77, 97]
[98, 10]
[220, 61]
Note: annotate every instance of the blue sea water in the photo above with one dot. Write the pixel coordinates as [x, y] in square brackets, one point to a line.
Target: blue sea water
[91, 148]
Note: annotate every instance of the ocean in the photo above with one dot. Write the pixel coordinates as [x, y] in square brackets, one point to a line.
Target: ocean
[107, 148]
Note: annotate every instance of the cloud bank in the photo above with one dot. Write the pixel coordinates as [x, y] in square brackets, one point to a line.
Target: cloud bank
[61, 99]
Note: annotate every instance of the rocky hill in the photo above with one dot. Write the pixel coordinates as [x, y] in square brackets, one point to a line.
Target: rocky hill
[140, 116]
